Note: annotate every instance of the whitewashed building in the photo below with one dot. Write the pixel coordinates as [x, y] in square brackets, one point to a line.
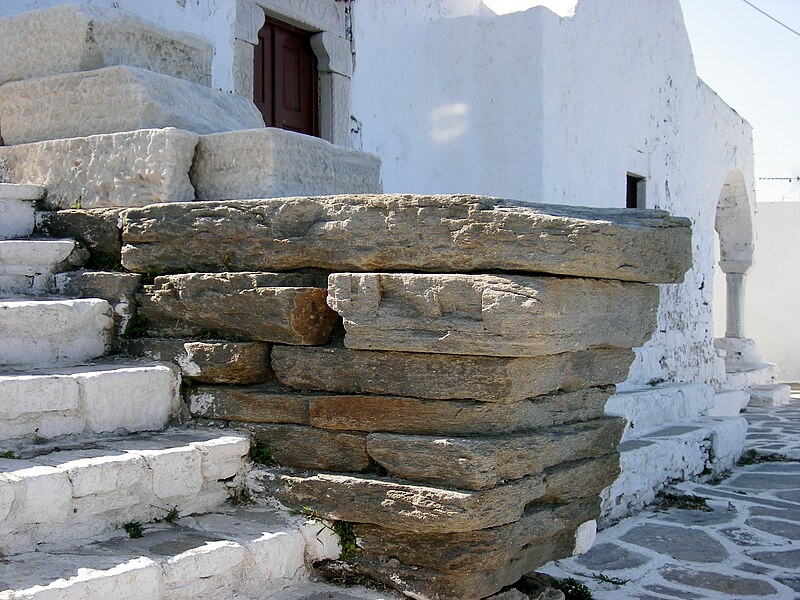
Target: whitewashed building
[603, 108]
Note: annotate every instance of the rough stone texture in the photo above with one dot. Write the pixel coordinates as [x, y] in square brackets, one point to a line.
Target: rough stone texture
[307, 448]
[480, 463]
[438, 234]
[96, 229]
[116, 99]
[268, 307]
[53, 332]
[272, 163]
[255, 404]
[450, 417]
[467, 551]
[490, 315]
[404, 506]
[466, 585]
[20, 191]
[82, 37]
[581, 480]
[121, 169]
[118, 289]
[210, 361]
[443, 376]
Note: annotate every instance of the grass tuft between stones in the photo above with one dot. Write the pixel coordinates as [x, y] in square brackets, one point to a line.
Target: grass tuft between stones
[666, 500]
[10, 454]
[347, 539]
[260, 454]
[754, 457]
[136, 328]
[133, 529]
[573, 589]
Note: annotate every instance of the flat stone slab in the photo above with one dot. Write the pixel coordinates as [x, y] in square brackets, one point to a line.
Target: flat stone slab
[311, 449]
[273, 163]
[481, 463]
[490, 315]
[267, 307]
[71, 38]
[475, 550]
[446, 376]
[134, 168]
[727, 584]
[401, 505]
[393, 232]
[611, 557]
[219, 362]
[40, 333]
[116, 99]
[680, 543]
[251, 404]
[451, 417]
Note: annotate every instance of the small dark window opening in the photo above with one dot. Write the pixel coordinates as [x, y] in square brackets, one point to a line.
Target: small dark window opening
[634, 192]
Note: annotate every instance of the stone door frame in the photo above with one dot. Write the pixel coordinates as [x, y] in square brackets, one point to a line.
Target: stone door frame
[330, 45]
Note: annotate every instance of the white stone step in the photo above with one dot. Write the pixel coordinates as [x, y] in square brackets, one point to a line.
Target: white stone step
[256, 551]
[88, 400]
[29, 266]
[60, 492]
[745, 375]
[779, 394]
[17, 209]
[728, 403]
[704, 446]
[652, 408]
[42, 333]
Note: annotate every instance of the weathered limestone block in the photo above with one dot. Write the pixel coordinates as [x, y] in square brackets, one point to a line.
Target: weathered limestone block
[452, 417]
[392, 232]
[490, 315]
[96, 229]
[271, 163]
[134, 168]
[210, 361]
[484, 462]
[583, 479]
[399, 505]
[422, 582]
[255, 404]
[268, 307]
[116, 99]
[474, 550]
[70, 38]
[308, 448]
[446, 376]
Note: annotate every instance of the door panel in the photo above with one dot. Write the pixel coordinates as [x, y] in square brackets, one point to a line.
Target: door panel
[286, 78]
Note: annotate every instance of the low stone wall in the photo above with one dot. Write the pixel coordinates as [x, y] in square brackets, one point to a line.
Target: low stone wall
[434, 383]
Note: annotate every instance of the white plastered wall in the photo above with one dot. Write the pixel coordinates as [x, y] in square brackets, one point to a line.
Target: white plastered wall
[540, 108]
[772, 312]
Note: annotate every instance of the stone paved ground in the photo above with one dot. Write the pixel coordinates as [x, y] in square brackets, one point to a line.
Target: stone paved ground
[745, 544]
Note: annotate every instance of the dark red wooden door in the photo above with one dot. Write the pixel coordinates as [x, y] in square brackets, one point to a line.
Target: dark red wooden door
[285, 83]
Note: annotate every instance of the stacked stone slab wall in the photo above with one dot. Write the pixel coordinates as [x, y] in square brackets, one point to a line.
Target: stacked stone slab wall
[429, 372]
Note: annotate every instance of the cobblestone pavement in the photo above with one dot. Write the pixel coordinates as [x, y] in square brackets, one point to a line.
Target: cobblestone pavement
[744, 544]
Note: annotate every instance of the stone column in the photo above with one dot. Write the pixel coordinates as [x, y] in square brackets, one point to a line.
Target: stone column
[335, 66]
[734, 322]
[249, 20]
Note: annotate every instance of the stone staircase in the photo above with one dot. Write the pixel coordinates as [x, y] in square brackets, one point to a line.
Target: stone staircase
[746, 369]
[99, 496]
[675, 432]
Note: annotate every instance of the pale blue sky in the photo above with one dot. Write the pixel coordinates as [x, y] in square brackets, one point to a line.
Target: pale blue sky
[752, 63]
